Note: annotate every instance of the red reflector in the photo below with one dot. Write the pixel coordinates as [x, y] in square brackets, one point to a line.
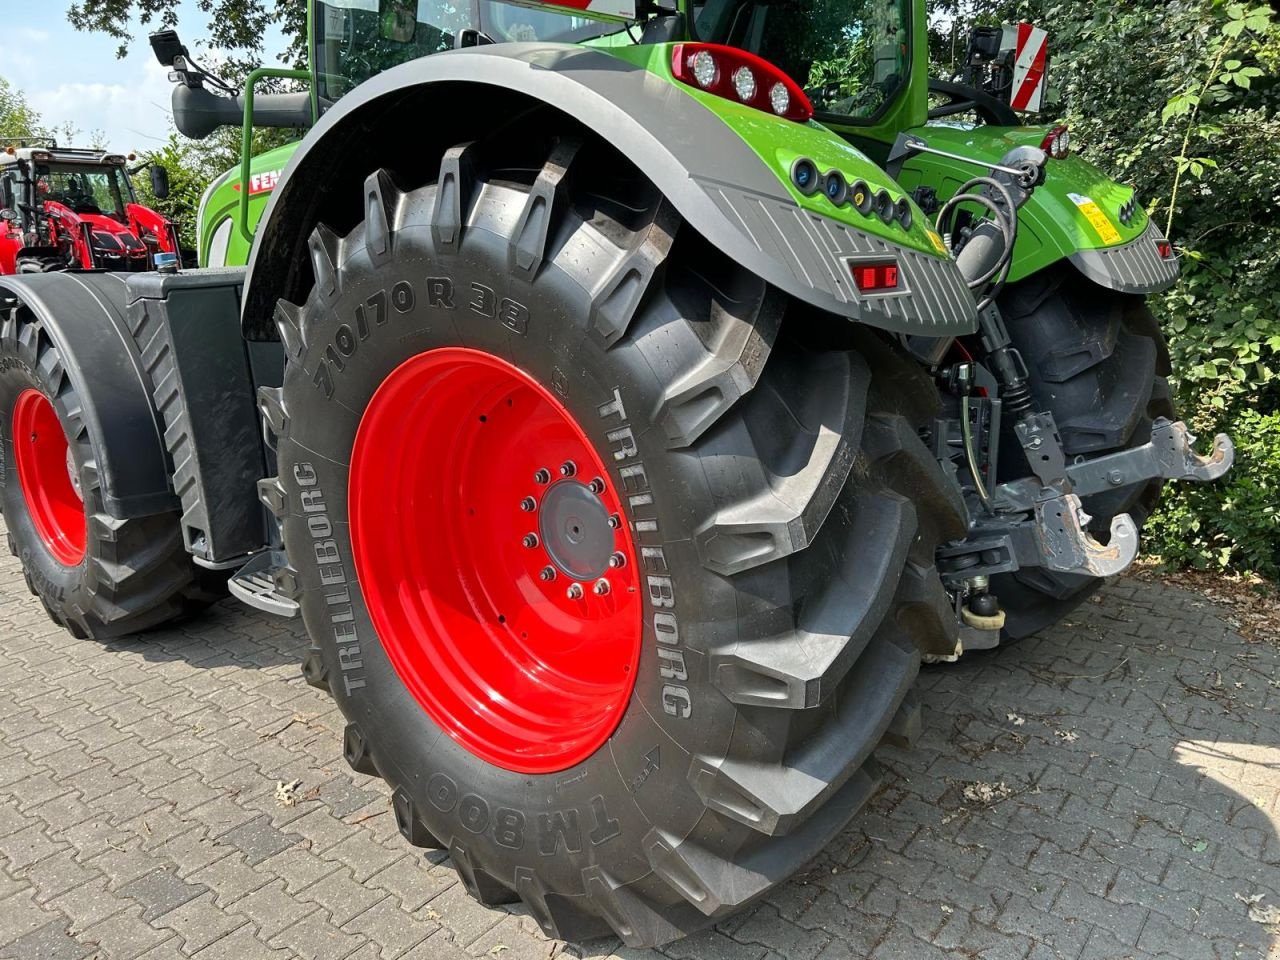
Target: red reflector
[1165, 248]
[713, 67]
[871, 277]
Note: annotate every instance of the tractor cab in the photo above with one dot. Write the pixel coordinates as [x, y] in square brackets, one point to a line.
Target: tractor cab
[67, 208]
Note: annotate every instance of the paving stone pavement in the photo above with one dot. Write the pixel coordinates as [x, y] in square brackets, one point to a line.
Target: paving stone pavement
[1108, 790]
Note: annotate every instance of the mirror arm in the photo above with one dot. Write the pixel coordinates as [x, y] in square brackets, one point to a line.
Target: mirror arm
[246, 135]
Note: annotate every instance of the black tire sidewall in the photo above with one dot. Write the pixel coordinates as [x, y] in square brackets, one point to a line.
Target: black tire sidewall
[614, 798]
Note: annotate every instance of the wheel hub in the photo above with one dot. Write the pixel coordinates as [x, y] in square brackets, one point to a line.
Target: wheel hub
[575, 531]
[496, 569]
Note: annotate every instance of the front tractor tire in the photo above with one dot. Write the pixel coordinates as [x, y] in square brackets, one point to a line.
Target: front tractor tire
[528, 379]
[1097, 361]
[96, 575]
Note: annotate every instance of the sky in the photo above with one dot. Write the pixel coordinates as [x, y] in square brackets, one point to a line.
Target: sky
[74, 77]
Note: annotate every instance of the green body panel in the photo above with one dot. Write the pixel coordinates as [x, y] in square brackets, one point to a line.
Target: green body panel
[1051, 225]
[222, 204]
[779, 143]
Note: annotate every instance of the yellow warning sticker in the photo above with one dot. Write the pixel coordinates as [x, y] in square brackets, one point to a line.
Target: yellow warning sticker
[937, 242]
[1093, 213]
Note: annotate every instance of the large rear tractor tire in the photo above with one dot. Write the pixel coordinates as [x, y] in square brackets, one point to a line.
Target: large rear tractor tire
[1098, 363]
[618, 570]
[96, 575]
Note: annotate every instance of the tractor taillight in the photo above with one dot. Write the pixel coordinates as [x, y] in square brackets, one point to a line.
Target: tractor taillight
[874, 277]
[1057, 143]
[740, 76]
[1165, 249]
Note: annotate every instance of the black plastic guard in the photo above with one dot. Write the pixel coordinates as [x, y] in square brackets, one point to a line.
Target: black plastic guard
[708, 173]
[85, 316]
[204, 377]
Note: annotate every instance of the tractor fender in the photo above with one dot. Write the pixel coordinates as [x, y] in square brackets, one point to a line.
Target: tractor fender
[86, 317]
[711, 176]
[1074, 215]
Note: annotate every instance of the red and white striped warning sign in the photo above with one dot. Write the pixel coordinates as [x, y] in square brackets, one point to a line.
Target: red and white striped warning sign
[1029, 61]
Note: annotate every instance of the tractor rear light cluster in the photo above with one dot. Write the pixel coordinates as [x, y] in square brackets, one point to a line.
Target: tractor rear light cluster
[1057, 143]
[875, 277]
[740, 76]
[840, 192]
[1165, 249]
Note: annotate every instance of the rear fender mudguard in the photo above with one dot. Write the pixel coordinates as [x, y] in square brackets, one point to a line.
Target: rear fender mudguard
[86, 317]
[718, 184]
[1074, 215]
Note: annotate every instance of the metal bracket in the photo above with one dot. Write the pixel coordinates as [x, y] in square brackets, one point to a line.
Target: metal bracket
[256, 585]
[1170, 453]
[1038, 435]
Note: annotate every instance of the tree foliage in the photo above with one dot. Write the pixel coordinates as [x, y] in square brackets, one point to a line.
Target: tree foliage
[235, 31]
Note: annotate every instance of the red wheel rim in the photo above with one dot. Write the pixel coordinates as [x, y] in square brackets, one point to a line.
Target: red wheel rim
[45, 469]
[490, 551]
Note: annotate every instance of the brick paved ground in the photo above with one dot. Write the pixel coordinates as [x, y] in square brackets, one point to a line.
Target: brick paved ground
[1121, 810]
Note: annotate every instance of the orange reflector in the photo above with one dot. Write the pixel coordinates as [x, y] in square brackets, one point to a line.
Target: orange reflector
[874, 277]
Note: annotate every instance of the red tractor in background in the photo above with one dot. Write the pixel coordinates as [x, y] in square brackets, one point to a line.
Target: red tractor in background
[70, 209]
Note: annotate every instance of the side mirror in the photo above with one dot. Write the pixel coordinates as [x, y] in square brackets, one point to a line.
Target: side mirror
[167, 47]
[159, 182]
[9, 215]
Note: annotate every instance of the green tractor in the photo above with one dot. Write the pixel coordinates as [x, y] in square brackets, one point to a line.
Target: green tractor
[628, 398]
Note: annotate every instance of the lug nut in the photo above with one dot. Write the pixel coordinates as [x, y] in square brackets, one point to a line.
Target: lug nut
[543, 476]
[528, 504]
[614, 521]
[530, 540]
[547, 575]
[568, 468]
[601, 587]
[618, 560]
[574, 592]
[596, 485]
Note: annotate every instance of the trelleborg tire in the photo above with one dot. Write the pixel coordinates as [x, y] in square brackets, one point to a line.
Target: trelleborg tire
[1098, 362]
[96, 575]
[778, 520]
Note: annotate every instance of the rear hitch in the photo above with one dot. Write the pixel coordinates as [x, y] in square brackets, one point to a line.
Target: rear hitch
[1067, 546]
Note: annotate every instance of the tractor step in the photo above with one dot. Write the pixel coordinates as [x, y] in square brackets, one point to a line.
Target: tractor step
[256, 583]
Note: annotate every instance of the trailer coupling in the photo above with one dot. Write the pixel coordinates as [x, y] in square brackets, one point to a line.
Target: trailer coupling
[1042, 522]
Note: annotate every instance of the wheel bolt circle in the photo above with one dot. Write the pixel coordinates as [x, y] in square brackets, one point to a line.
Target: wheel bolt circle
[543, 476]
[530, 540]
[574, 592]
[568, 468]
[548, 574]
[601, 587]
[618, 560]
[528, 504]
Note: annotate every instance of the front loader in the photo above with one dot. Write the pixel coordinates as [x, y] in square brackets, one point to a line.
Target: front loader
[623, 433]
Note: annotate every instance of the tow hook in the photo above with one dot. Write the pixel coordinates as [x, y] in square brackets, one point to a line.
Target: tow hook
[1067, 546]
